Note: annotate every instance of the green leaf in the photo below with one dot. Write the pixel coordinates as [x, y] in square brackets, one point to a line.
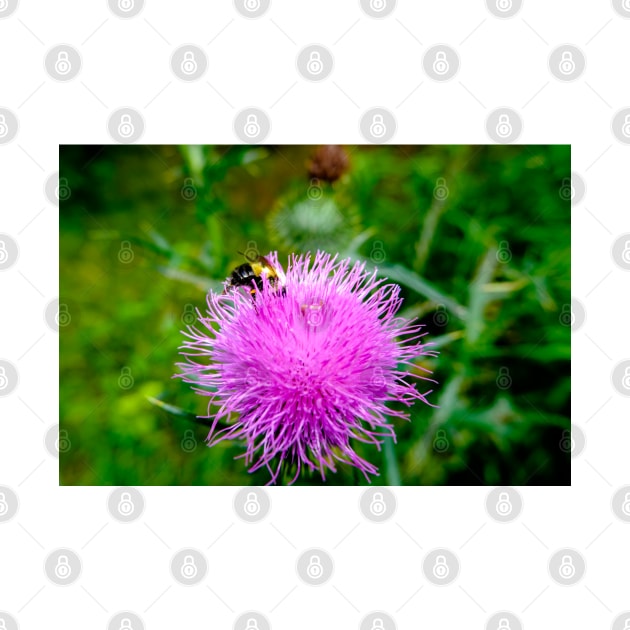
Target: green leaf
[392, 473]
[412, 280]
[179, 412]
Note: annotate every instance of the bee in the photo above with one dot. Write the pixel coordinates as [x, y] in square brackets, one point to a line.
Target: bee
[250, 275]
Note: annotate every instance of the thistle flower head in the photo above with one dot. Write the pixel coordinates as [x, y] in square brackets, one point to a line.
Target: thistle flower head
[310, 222]
[329, 163]
[304, 372]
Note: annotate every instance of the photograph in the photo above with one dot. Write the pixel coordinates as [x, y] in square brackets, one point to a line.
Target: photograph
[315, 315]
[234, 315]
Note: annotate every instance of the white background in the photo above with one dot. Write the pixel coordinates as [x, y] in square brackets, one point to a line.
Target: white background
[252, 63]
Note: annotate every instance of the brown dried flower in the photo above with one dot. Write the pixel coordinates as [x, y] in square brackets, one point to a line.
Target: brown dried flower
[329, 163]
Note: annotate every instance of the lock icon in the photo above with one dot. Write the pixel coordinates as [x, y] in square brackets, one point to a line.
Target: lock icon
[63, 570]
[3, 625]
[315, 569]
[504, 255]
[4, 381]
[125, 5]
[440, 317]
[4, 4]
[626, 378]
[62, 191]
[567, 443]
[4, 254]
[440, 63]
[189, 568]
[567, 191]
[125, 380]
[62, 443]
[251, 252]
[626, 6]
[252, 505]
[378, 624]
[626, 625]
[4, 506]
[314, 64]
[440, 192]
[125, 505]
[315, 192]
[252, 128]
[62, 65]
[504, 380]
[504, 624]
[567, 64]
[567, 317]
[125, 127]
[504, 127]
[377, 505]
[504, 5]
[4, 130]
[440, 568]
[626, 253]
[189, 443]
[125, 255]
[378, 5]
[378, 128]
[440, 443]
[625, 130]
[625, 506]
[504, 505]
[188, 316]
[189, 192]
[125, 624]
[252, 5]
[567, 568]
[62, 317]
[252, 624]
[377, 254]
[189, 64]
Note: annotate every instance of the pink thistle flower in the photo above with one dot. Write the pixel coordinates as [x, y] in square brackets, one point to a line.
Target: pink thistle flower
[302, 372]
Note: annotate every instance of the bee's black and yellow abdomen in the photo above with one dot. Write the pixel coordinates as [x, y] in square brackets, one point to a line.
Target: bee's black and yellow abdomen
[250, 275]
[243, 276]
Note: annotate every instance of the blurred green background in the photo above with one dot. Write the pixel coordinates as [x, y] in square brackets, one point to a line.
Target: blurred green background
[478, 237]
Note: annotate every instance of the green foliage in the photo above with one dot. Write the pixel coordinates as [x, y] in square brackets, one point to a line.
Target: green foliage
[308, 224]
[477, 237]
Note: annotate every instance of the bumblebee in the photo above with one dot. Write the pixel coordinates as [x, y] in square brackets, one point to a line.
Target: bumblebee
[250, 275]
